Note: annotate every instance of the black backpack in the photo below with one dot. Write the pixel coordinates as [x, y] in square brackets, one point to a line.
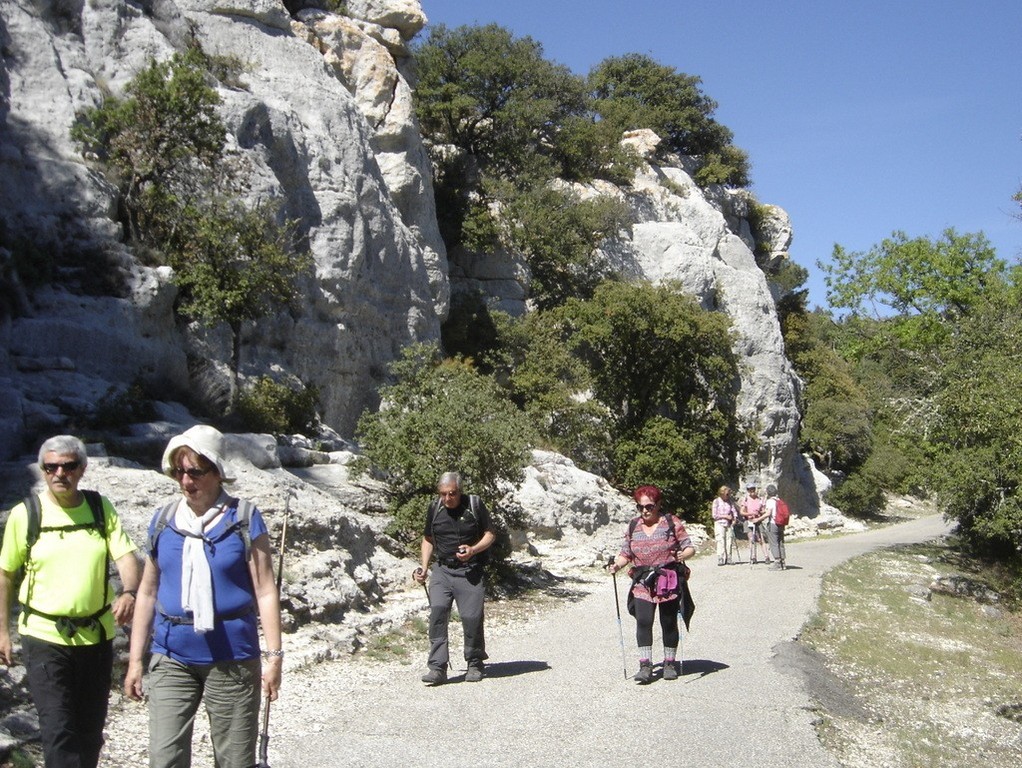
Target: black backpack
[473, 507]
[67, 625]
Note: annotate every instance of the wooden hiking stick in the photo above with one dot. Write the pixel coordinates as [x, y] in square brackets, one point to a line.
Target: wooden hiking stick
[264, 737]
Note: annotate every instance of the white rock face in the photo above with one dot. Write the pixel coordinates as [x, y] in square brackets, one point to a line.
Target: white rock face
[703, 241]
[327, 126]
[680, 235]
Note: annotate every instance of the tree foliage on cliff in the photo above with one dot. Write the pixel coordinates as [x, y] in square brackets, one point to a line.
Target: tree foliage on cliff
[504, 122]
[635, 91]
[165, 146]
[637, 383]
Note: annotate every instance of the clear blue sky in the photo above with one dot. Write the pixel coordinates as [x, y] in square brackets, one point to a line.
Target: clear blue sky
[860, 118]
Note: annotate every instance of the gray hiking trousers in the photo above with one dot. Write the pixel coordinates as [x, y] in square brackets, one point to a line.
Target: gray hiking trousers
[463, 587]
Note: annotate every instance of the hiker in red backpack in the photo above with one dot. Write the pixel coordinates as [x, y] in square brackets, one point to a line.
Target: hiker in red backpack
[778, 513]
[656, 545]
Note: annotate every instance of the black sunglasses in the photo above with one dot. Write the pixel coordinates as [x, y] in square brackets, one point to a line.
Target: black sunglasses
[193, 472]
[67, 466]
[645, 507]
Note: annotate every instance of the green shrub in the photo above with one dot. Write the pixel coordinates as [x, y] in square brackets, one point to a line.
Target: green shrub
[858, 495]
[269, 406]
[120, 407]
[439, 416]
[679, 462]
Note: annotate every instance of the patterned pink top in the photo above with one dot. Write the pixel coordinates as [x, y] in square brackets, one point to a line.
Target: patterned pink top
[655, 549]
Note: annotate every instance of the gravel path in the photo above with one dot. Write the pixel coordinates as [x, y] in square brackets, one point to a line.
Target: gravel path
[556, 694]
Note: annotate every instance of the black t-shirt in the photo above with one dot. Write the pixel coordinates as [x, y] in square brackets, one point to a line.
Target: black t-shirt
[449, 528]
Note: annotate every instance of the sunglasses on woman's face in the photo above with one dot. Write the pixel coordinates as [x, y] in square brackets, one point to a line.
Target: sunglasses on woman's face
[193, 472]
[645, 507]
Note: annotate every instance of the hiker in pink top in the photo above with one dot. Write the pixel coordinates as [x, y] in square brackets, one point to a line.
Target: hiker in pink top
[755, 514]
[655, 545]
[725, 515]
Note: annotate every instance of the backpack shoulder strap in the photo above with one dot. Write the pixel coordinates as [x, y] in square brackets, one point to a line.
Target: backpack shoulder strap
[161, 520]
[633, 525]
[95, 502]
[35, 518]
[434, 507]
[241, 525]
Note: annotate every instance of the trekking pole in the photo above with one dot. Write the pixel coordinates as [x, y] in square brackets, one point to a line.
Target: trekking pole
[681, 647]
[264, 737]
[620, 631]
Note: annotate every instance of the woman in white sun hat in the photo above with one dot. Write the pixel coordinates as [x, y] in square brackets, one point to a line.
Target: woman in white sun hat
[208, 577]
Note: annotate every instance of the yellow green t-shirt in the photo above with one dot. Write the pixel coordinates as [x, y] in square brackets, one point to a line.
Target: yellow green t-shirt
[65, 576]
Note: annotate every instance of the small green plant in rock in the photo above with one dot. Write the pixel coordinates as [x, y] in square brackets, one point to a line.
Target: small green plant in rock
[270, 406]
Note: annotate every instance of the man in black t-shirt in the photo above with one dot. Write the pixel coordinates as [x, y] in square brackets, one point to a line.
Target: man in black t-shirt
[458, 531]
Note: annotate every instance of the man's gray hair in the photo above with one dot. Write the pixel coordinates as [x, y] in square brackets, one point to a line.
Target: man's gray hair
[64, 444]
[449, 478]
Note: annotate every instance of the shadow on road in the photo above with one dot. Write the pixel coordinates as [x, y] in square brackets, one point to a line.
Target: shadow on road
[514, 668]
[701, 667]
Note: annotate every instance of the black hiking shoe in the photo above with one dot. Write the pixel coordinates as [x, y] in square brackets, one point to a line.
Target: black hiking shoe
[476, 672]
[645, 673]
[435, 676]
[670, 670]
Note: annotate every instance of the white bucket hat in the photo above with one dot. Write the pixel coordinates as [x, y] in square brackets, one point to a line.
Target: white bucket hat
[206, 441]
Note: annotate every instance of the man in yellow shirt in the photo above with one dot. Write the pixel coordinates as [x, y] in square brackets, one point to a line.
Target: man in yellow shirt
[65, 545]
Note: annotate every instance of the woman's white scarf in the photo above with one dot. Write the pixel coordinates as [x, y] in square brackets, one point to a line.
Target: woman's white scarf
[196, 578]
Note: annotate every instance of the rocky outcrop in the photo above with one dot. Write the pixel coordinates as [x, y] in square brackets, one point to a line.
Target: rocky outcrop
[323, 116]
[703, 241]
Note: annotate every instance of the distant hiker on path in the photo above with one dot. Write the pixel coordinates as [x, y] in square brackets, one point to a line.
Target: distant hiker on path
[458, 531]
[208, 573]
[777, 516]
[725, 515]
[754, 514]
[65, 539]
[655, 544]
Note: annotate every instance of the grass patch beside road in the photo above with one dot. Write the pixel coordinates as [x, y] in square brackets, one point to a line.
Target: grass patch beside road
[938, 675]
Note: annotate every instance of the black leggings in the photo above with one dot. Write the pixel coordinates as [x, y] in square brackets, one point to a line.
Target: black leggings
[668, 622]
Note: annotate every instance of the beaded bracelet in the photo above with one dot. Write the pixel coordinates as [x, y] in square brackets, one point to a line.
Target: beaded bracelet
[268, 654]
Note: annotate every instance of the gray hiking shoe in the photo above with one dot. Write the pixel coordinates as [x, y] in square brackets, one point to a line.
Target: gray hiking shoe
[435, 676]
[645, 673]
[670, 670]
[476, 672]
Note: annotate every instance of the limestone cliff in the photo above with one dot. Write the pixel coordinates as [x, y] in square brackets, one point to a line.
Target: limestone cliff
[324, 116]
[323, 113]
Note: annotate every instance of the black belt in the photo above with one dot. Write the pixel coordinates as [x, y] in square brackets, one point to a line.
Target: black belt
[240, 613]
[452, 562]
[68, 626]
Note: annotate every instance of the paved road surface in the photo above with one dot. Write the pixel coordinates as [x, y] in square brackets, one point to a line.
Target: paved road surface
[556, 693]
